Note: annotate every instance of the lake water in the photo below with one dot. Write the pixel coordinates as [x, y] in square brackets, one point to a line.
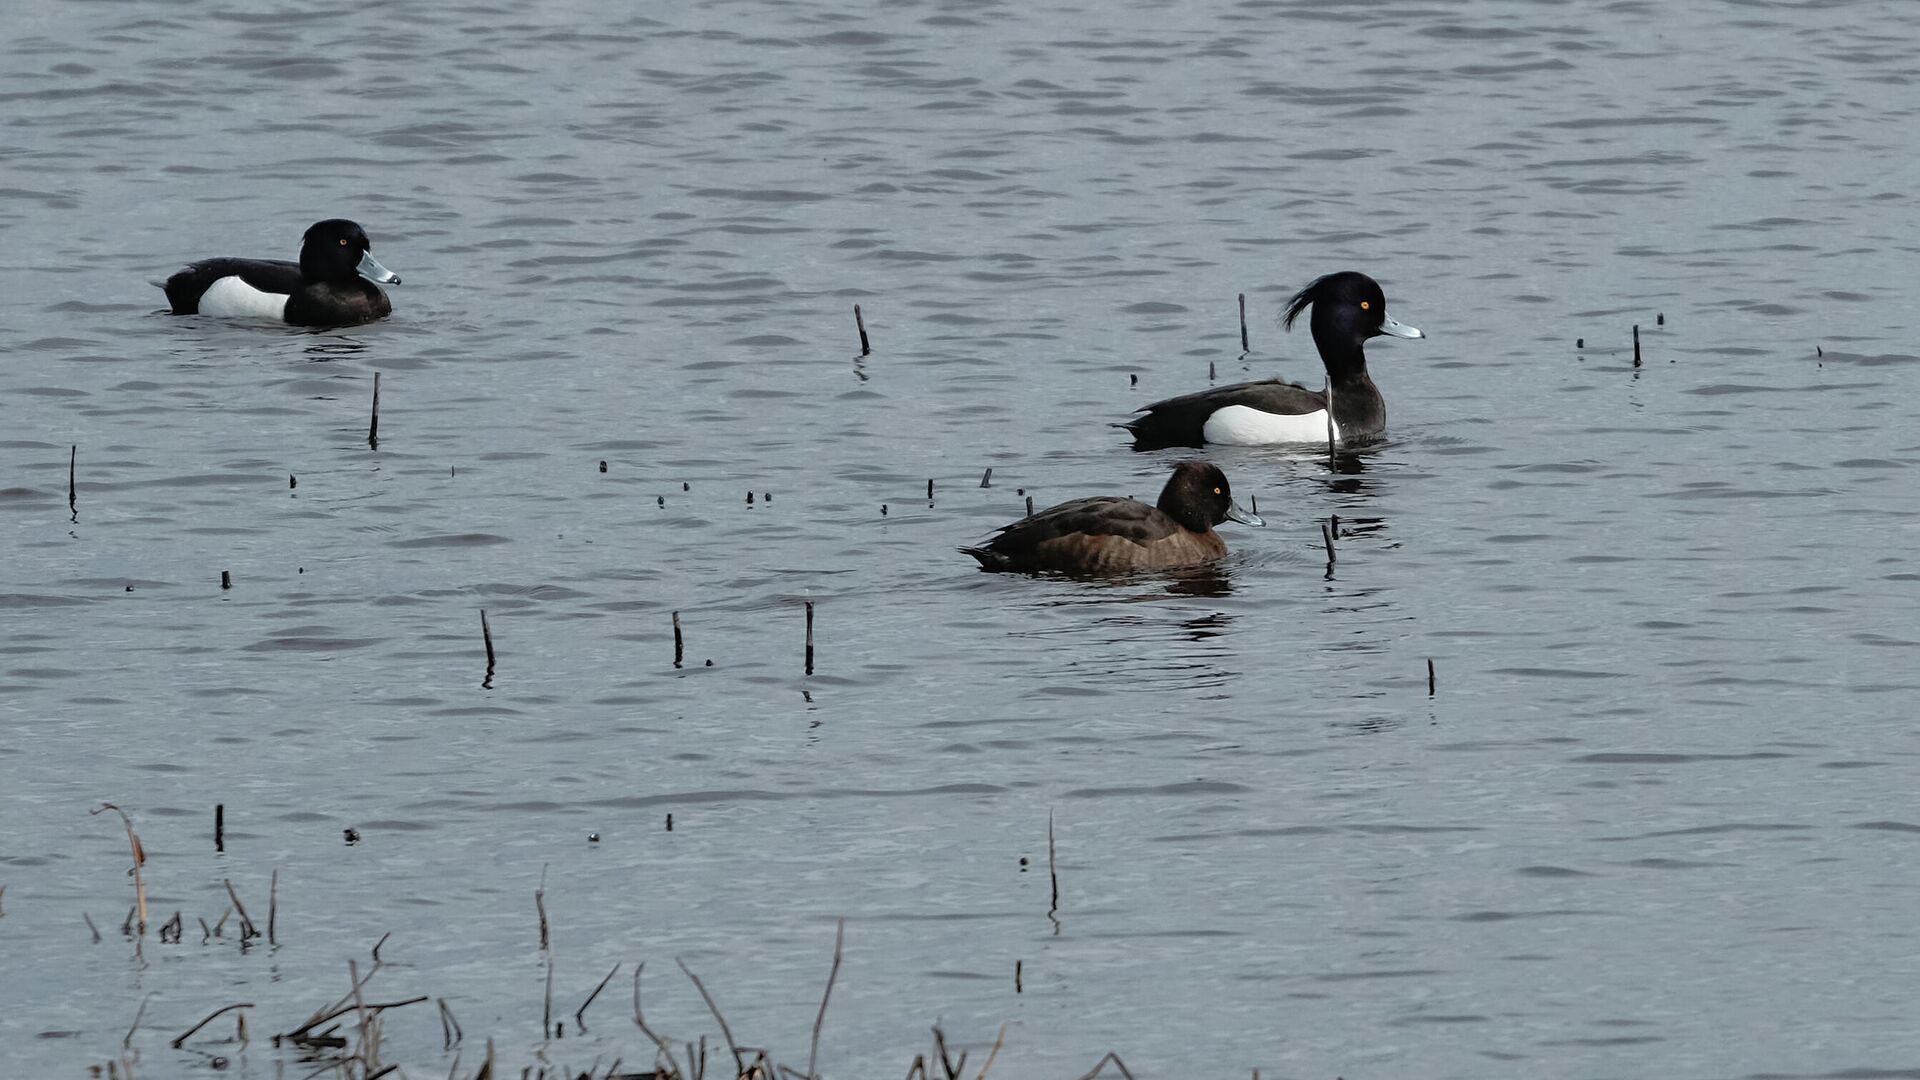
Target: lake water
[1657, 818]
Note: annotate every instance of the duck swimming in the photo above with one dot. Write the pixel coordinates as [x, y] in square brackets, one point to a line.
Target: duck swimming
[1348, 308]
[1110, 534]
[333, 284]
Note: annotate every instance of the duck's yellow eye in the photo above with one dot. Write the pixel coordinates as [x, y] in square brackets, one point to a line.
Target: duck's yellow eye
[343, 243]
[1365, 305]
[1216, 491]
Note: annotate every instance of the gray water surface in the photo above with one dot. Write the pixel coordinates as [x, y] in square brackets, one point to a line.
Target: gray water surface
[1658, 818]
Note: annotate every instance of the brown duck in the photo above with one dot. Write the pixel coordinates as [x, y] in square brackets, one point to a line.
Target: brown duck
[1109, 534]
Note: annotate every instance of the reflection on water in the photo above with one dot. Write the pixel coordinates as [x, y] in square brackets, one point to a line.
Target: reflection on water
[329, 345]
[1347, 464]
[1207, 581]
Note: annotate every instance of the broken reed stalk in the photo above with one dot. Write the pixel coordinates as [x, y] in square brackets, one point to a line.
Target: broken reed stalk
[304, 1033]
[450, 1033]
[739, 1063]
[998, 1041]
[73, 490]
[1326, 537]
[540, 905]
[486, 636]
[1244, 347]
[679, 645]
[986, 478]
[546, 1009]
[929, 489]
[373, 428]
[810, 633]
[813, 1053]
[247, 929]
[139, 857]
[127, 1043]
[1053, 877]
[346, 1004]
[639, 1019]
[367, 1048]
[860, 323]
[273, 906]
[187, 1034]
[1430, 679]
[219, 826]
[1636, 344]
[953, 1068]
[1117, 1063]
[580, 1014]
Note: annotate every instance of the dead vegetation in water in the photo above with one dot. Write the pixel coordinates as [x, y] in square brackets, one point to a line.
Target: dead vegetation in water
[345, 1038]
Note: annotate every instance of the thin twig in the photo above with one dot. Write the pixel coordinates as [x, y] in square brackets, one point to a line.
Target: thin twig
[579, 1017]
[540, 904]
[332, 1012]
[546, 1008]
[1113, 1057]
[995, 1052]
[368, 1049]
[948, 1064]
[187, 1034]
[813, 1055]
[739, 1066]
[640, 1021]
[450, 1032]
[139, 857]
[247, 929]
[1053, 875]
[127, 1043]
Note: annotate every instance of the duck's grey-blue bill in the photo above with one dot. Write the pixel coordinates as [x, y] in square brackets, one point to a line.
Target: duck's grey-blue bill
[1242, 515]
[373, 271]
[1399, 329]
